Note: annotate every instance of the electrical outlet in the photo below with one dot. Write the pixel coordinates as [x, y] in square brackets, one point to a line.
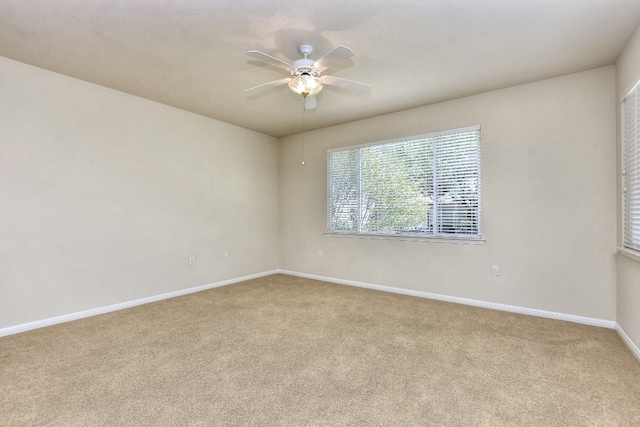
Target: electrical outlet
[320, 252]
[226, 256]
[495, 271]
[192, 260]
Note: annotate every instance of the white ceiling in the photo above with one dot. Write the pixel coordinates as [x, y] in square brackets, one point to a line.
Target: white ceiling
[191, 53]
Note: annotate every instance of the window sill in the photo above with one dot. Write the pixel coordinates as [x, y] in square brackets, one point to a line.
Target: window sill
[629, 253]
[408, 238]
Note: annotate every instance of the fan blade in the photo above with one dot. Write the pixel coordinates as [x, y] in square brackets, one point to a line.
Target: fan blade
[310, 102]
[345, 84]
[265, 86]
[336, 56]
[269, 59]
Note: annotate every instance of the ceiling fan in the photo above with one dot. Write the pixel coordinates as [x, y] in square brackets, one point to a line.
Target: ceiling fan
[305, 77]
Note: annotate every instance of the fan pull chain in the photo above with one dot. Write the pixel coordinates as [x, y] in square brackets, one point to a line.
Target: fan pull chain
[304, 98]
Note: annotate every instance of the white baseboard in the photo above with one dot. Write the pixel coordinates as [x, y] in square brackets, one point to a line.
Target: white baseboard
[632, 346]
[494, 306]
[127, 304]
[466, 301]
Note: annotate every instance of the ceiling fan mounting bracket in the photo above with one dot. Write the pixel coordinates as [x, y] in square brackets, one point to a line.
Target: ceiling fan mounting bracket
[305, 50]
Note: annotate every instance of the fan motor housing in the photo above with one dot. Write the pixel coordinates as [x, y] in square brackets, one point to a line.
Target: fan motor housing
[304, 66]
[302, 71]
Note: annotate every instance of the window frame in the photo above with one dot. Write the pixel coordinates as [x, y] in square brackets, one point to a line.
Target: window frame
[475, 238]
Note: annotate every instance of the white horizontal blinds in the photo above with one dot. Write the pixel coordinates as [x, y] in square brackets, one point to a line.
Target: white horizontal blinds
[632, 170]
[344, 191]
[427, 185]
[457, 183]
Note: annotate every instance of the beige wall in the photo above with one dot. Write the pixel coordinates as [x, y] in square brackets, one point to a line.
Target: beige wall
[105, 196]
[628, 284]
[548, 201]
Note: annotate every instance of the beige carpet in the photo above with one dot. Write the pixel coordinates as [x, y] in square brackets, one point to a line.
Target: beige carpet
[286, 351]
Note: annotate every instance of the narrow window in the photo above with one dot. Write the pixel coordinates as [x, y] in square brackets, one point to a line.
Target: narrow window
[631, 169]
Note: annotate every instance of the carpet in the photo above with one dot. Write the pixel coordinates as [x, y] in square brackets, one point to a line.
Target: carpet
[287, 351]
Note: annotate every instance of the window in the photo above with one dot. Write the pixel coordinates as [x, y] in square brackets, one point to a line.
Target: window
[631, 169]
[427, 186]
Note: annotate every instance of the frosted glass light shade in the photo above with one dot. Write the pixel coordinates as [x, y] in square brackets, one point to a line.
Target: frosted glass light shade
[305, 84]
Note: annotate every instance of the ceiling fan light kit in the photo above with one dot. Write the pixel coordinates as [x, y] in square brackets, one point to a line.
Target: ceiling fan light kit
[305, 77]
[305, 85]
